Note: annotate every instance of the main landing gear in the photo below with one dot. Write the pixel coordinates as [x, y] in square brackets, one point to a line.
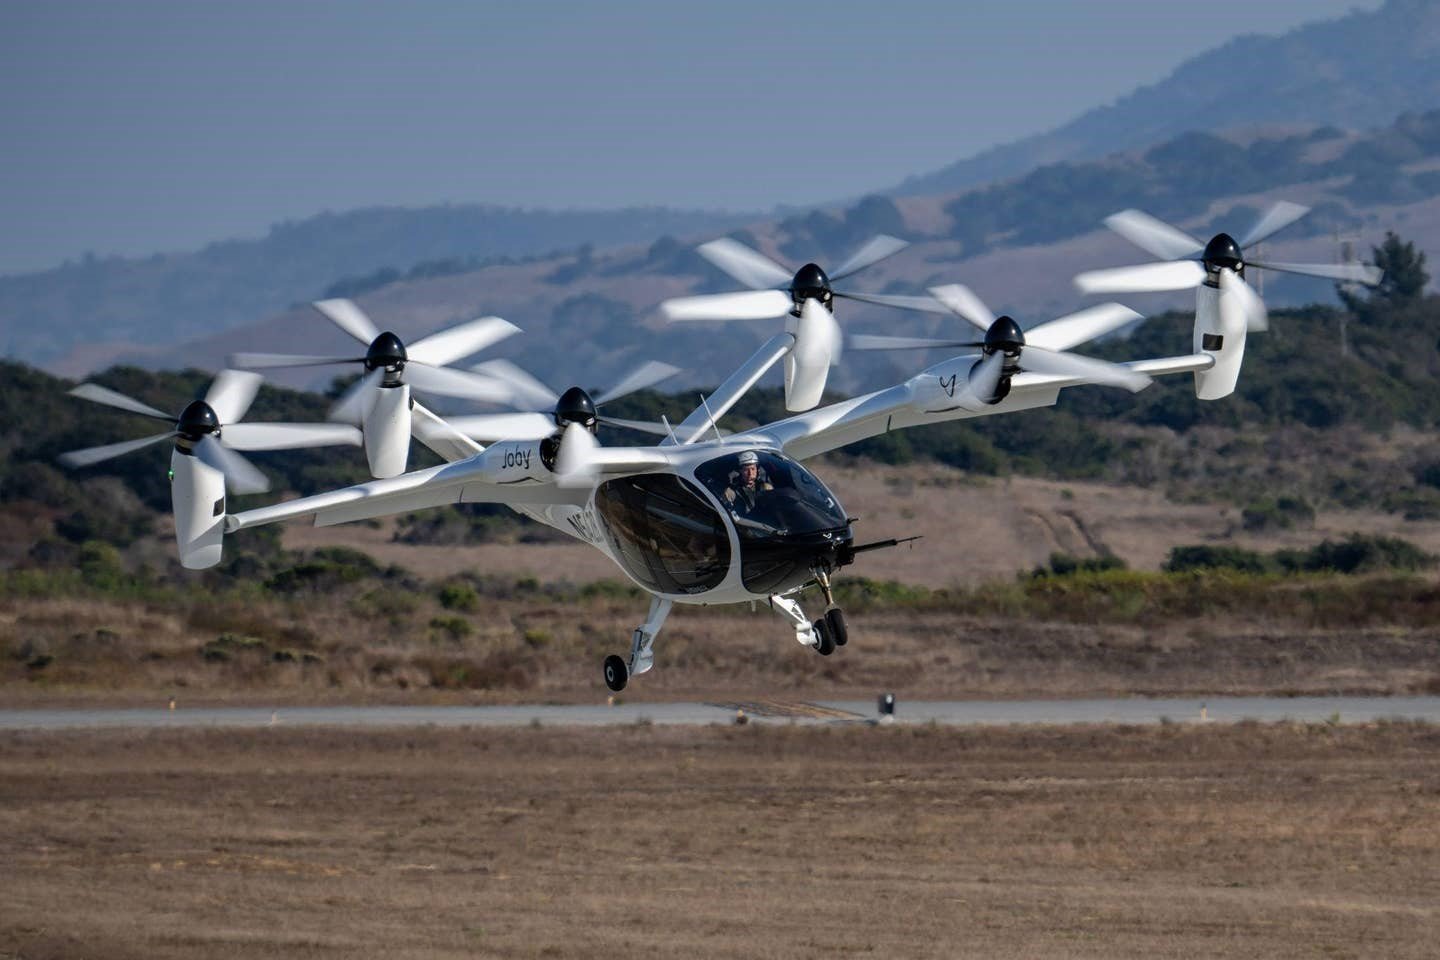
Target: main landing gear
[642, 648]
[823, 634]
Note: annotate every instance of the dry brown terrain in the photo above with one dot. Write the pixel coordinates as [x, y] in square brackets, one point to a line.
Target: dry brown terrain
[975, 529]
[1173, 841]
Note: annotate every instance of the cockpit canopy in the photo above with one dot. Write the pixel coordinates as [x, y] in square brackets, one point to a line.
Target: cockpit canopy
[782, 498]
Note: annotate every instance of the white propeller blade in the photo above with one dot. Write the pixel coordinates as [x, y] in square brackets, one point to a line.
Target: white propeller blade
[962, 301]
[1233, 288]
[751, 305]
[490, 427]
[1344, 272]
[241, 476]
[985, 377]
[1146, 278]
[528, 390]
[450, 345]
[350, 318]
[817, 346]
[865, 341]
[263, 361]
[877, 249]
[646, 375]
[1155, 236]
[1088, 369]
[231, 394]
[99, 394]
[900, 302]
[357, 399]
[1277, 218]
[288, 436]
[819, 330]
[575, 464]
[1079, 327]
[750, 267]
[455, 383]
[84, 458]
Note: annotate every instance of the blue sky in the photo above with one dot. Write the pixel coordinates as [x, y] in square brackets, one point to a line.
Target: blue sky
[142, 126]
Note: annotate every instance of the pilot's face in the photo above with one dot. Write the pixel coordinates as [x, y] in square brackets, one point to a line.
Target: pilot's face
[748, 473]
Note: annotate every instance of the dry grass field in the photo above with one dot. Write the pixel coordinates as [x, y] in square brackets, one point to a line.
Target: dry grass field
[738, 842]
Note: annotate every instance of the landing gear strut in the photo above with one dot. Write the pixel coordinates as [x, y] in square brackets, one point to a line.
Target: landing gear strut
[824, 634]
[642, 644]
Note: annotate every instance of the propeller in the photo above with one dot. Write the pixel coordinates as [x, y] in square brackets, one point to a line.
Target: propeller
[210, 430]
[1188, 263]
[1007, 350]
[806, 296]
[574, 406]
[389, 362]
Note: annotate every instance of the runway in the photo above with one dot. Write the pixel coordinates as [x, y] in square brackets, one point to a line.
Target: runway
[946, 713]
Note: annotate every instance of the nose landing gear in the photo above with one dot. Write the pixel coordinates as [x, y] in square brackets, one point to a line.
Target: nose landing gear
[642, 648]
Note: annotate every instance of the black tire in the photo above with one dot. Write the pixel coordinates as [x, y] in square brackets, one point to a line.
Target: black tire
[616, 673]
[825, 643]
[835, 620]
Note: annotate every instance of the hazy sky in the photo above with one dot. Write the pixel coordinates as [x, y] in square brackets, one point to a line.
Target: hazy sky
[137, 126]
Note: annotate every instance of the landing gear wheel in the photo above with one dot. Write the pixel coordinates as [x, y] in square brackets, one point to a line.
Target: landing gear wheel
[835, 620]
[616, 673]
[824, 642]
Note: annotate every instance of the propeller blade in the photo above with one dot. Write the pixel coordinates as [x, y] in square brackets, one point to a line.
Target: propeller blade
[818, 326]
[447, 346]
[1274, 220]
[350, 318]
[263, 361]
[241, 476]
[751, 267]
[864, 341]
[456, 383]
[646, 375]
[1152, 235]
[923, 304]
[1234, 288]
[575, 464]
[1345, 272]
[289, 436]
[528, 390]
[490, 427]
[1088, 369]
[357, 399]
[98, 394]
[753, 305]
[1077, 328]
[231, 394]
[1146, 278]
[985, 377]
[643, 426]
[84, 458]
[962, 301]
[877, 249]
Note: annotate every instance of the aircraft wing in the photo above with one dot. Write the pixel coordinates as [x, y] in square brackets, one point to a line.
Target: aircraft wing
[916, 402]
[461, 482]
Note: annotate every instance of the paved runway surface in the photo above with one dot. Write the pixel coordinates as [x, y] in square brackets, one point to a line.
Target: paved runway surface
[950, 713]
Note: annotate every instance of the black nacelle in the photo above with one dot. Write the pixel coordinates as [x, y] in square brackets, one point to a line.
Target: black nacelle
[1223, 251]
[196, 421]
[575, 406]
[387, 350]
[1004, 335]
[810, 283]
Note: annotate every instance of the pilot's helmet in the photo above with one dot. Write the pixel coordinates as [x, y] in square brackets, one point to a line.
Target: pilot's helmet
[749, 457]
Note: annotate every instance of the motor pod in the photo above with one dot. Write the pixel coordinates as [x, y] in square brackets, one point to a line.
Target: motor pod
[197, 497]
[945, 386]
[518, 461]
[1220, 328]
[387, 431]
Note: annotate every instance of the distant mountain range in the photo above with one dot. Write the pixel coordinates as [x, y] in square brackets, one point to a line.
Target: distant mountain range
[1357, 71]
[583, 285]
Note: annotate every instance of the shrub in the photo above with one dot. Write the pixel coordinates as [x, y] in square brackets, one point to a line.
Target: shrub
[1205, 557]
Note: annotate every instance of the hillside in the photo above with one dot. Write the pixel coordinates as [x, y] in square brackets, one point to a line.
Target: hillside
[1349, 72]
[142, 304]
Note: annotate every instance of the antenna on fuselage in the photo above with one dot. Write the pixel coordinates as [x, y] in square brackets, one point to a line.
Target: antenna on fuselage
[665, 420]
[711, 417]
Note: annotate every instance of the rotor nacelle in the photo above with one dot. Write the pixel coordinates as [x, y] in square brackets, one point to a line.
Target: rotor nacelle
[196, 421]
[387, 351]
[1222, 252]
[1005, 336]
[576, 406]
[810, 283]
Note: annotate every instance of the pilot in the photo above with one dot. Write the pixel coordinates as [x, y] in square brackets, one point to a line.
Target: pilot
[746, 484]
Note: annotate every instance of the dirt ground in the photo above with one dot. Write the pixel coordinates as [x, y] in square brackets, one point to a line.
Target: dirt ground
[1170, 841]
[974, 529]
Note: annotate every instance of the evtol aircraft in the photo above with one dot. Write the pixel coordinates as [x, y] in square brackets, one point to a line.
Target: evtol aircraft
[699, 517]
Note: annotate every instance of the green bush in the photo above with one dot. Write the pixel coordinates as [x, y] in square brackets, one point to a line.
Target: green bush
[1205, 557]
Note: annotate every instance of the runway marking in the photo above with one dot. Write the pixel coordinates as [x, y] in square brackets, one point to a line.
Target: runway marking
[782, 709]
